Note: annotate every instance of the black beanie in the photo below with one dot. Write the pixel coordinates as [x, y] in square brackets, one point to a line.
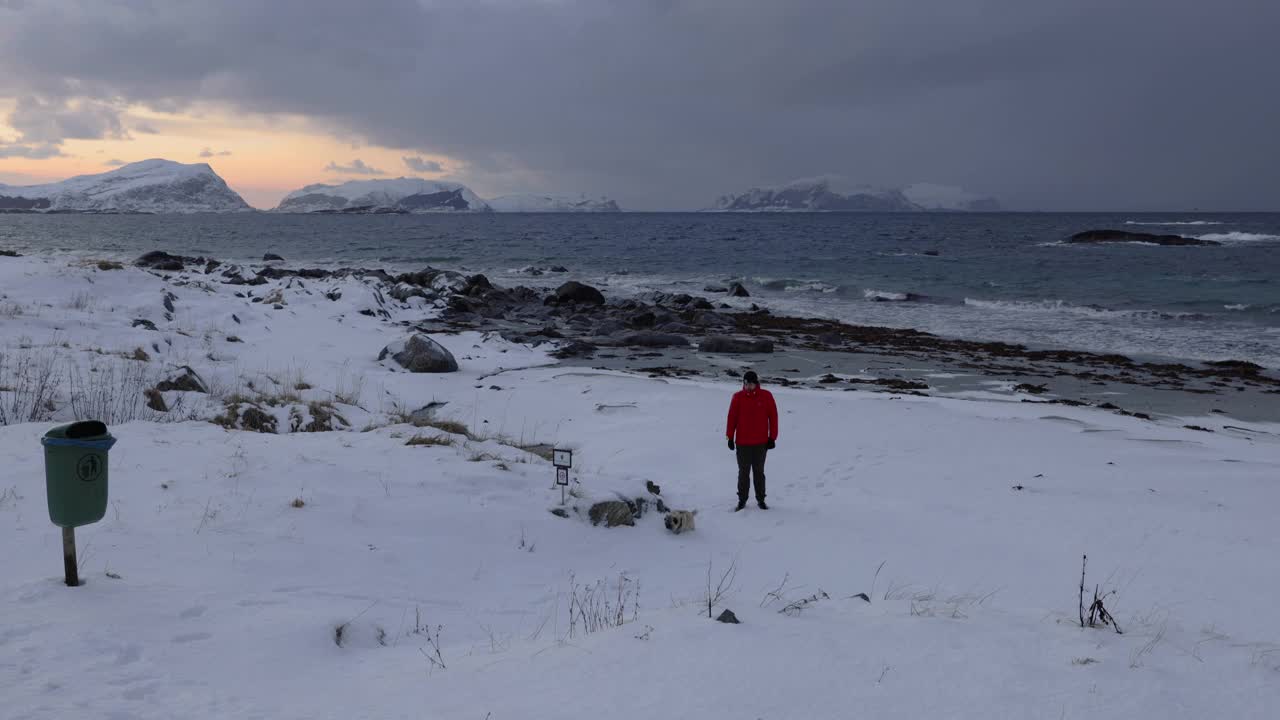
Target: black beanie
[751, 377]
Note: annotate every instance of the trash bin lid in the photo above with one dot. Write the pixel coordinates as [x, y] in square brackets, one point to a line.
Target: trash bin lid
[86, 434]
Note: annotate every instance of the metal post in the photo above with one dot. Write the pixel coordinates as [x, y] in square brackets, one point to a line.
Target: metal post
[69, 556]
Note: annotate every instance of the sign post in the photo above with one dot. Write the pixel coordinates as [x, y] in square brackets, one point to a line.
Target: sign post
[563, 460]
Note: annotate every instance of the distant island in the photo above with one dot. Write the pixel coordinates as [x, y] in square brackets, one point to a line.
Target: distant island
[416, 195]
[165, 186]
[150, 186]
[817, 195]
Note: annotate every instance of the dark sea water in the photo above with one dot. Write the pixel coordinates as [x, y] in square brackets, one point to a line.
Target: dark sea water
[1004, 276]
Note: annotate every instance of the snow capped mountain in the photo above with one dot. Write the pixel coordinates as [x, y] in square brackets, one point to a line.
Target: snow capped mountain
[948, 197]
[400, 195]
[817, 195]
[153, 186]
[553, 202]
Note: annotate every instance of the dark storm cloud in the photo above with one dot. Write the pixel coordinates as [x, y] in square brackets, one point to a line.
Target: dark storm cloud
[357, 167]
[40, 120]
[1052, 104]
[418, 164]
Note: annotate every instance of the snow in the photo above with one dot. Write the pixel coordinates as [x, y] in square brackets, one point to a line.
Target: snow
[553, 202]
[209, 595]
[378, 193]
[148, 186]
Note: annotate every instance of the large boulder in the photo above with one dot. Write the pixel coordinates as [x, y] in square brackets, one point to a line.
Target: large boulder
[576, 293]
[738, 290]
[652, 340]
[161, 260]
[186, 381]
[420, 354]
[1121, 236]
[726, 344]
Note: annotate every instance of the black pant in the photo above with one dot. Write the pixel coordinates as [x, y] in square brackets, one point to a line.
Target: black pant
[751, 462]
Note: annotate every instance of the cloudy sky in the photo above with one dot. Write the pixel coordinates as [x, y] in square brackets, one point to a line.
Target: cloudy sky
[1046, 104]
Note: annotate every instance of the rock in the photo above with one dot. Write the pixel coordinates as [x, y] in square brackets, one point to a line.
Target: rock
[725, 344]
[105, 265]
[404, 291]
[642, 320]
[830, 338]
[160, 260]
[211, 266]
[639, 507]
[728, 617]
[255, 420]
[426, 413]
[145, 324]
[652, 488]
[738, 290]
[612, 513]
[155, 400]
[677, 328]
[717, 289]
[574, 348]
[476, 285]
[560, 512]
[1032, 389]
[272, 257]
[187, 381]
[931, 253]
[652, 339]
[609, 327]
[558, 269]
[10, 253]
[1114, 236]
[574, 292]
[420, 354]
[661, 506]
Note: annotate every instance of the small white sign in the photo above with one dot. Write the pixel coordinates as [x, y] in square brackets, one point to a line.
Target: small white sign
[562, 476]
[562, 458]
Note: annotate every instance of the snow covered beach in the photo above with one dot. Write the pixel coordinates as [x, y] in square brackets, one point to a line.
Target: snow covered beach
[347, 573]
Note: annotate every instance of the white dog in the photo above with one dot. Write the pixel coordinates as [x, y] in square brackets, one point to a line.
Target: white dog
[679, 521]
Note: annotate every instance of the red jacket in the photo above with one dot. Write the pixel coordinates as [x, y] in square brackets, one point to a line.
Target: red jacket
[753, 417]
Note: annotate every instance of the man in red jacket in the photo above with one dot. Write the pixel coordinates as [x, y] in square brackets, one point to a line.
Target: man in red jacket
[753, 422]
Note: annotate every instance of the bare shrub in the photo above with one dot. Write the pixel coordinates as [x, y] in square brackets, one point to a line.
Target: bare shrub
[82, 300]
[112, 392]
[717, 594]
[452, 427]
[28, 387]
[430, 440]
[1097, 612]
[349, 389]
[598, 606]
[298, 503]
[797, 606]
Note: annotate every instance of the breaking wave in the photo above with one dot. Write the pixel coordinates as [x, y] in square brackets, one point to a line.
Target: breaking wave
[1064, 307]
[794, 285]
[883, 296]
[1239, 237]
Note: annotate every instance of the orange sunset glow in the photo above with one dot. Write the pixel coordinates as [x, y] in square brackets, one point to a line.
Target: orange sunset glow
[261, 157]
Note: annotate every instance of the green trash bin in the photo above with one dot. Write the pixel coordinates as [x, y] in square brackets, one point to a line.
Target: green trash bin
[75, 472]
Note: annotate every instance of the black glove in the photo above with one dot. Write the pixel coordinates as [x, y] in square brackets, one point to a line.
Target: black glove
[771, 445]
[730, 443]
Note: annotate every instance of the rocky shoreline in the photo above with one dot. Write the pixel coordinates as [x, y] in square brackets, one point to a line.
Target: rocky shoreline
[664, 334]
